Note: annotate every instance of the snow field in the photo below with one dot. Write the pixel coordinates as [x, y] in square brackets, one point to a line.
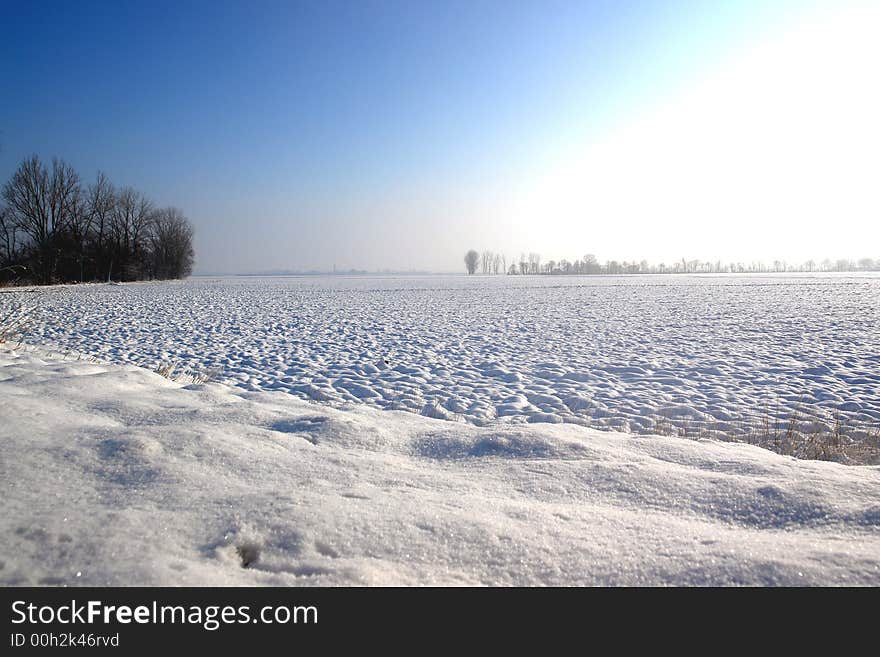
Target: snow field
[714, 356]
[114, 475]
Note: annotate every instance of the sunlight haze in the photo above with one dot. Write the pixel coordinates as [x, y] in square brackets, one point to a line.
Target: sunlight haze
[398, 135]
[773, 156]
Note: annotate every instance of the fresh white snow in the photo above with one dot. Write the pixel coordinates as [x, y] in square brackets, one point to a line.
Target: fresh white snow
[114, 475]
[711, 356]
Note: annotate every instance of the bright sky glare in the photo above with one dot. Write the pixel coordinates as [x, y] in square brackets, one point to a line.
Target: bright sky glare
[775, 155]
[397, 135]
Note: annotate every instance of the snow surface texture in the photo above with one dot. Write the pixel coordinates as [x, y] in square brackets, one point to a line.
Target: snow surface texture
[706, 356]
[114, 475]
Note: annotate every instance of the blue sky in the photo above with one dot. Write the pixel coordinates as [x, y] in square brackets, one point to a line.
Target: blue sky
[368, 134]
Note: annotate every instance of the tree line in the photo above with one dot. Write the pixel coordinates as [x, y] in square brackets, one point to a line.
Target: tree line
[489, 262]
[56, 229]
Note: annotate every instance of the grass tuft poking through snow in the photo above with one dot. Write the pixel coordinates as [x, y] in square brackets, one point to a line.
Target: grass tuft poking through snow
[185, 375]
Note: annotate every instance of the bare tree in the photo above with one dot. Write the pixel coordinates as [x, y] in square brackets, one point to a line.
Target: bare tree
[170, 244]
[8, 237]
[54, 229]
[534, 263]
[42, 204]
[471, 258]
[486, 262]
[130, 219]
[101, 199]
[79, 226]
[495, 262]
[591, 265]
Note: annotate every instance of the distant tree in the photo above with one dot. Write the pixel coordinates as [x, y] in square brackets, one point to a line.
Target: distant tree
[8, 237]
[52, 229]
[486, 261]
[534, 263]
[591, 265]
[79, 227]
[170, 247]
[130, 219]
[42, 203]
[471, 258]
[101, 200]
[495, 262]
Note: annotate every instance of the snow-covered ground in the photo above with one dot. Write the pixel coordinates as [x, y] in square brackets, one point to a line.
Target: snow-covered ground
[723, 356]
[112, 474]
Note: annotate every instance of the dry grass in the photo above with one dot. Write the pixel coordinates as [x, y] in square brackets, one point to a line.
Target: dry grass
[187, 376]
[801, 434]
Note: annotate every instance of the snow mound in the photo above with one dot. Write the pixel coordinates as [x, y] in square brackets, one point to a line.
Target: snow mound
[114, 475]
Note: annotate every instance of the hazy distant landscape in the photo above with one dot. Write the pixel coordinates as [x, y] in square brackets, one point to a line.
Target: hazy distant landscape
[557, 293]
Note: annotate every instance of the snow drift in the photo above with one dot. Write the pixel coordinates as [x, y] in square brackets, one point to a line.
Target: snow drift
[114, 475]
